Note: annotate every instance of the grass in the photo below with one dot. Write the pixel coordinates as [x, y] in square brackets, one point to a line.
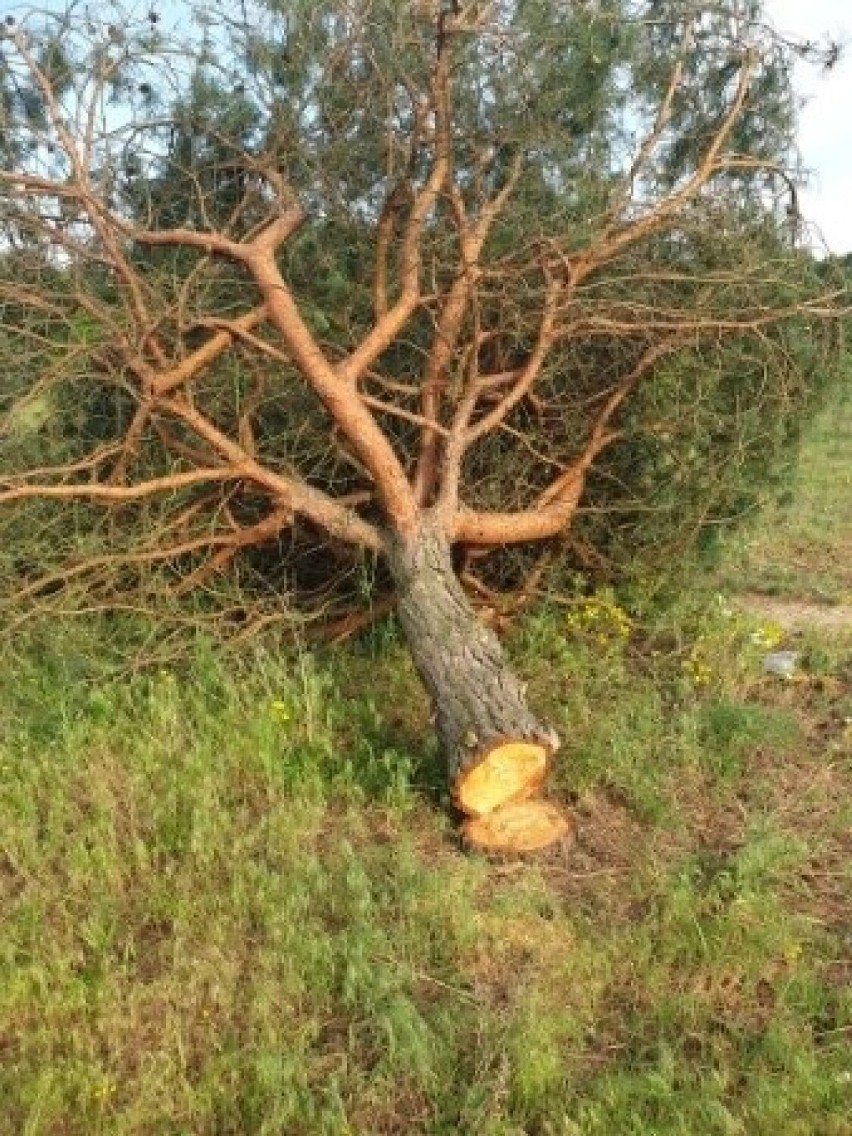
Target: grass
[233, 901]
[802, 546]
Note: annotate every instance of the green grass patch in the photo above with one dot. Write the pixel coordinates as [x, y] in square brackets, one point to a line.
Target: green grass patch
[801, 546]
[233, 902]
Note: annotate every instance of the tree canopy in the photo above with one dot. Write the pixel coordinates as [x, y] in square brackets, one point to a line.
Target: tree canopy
[535, 264]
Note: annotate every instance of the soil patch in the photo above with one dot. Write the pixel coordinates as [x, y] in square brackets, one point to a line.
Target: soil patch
[798, 614]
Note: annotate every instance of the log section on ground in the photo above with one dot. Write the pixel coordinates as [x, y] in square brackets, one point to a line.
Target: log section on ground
[522, 827]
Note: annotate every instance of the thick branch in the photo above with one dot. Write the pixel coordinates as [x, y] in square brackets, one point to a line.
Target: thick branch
[462, 435]
[490, 529]
[266, 242]
[340, 397]
[291, 491]
[394, 319]
[556, 506]
[472, 240]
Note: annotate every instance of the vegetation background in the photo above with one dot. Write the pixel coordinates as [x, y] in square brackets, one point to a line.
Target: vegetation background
[232, 901]
[232, 895]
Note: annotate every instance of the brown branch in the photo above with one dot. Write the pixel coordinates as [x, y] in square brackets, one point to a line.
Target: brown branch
[656, 220]
[391, 321]
[264, 243]
[99, 216]
[365, 438]
[451, 320]
[601, 436]
[490, 528]
[132, 442]
[97, 491]
[166, 382]
[650, 142]
[672, 322]
[245, 429]
[396, 202]
[487, 383]
[91, 461]
[462, 436]
[332, 384]
[405, 415]
[528, 374]
[16, 295]
[177, 446]
[388, 327]
[556, 506]
[508, 605]
[354, 621]
[118, 560]
[230, 546]
[295, 494]
[406, 389]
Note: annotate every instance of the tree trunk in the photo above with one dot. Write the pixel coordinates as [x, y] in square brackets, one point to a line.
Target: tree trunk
[496, 749]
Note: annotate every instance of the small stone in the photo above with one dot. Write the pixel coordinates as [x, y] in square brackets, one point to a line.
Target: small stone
[781, 663]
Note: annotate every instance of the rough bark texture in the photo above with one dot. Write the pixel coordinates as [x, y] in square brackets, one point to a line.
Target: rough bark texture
[490, 737]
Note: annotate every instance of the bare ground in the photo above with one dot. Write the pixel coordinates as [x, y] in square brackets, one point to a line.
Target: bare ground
[798, 614]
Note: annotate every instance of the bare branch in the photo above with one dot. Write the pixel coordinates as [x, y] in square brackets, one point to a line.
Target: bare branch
[96, 491]
[652, 139]
[231, 545]
[167, 382]
[556, 506]
[449, 327]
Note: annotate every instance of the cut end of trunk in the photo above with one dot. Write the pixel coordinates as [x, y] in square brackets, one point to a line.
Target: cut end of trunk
[509, 771]
[523, 827]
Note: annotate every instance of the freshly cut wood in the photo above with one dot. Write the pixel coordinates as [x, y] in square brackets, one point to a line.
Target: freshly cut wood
[511, 771]
[525, 826]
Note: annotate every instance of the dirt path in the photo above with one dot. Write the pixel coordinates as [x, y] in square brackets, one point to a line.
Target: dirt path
[797, 614]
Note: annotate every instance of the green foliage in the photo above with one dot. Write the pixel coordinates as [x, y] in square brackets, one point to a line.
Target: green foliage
[801, 545]
[707, 444]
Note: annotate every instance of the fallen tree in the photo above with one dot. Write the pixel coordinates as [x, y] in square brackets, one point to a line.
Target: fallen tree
[388, 277]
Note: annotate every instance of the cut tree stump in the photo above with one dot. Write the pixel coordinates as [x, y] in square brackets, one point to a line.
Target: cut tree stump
[523, 827]
[510, 771]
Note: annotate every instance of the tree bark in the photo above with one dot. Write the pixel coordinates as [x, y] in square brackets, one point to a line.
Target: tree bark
[496, 749]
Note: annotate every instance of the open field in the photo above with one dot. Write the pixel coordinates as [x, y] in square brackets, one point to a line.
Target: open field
[802, 547]
[233, 902]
